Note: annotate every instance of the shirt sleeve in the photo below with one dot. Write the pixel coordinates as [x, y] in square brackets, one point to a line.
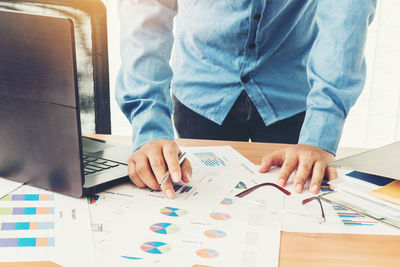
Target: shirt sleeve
[143, 83]
[336, 69]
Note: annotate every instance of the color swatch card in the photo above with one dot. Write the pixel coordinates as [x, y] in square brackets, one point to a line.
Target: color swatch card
[36, 224]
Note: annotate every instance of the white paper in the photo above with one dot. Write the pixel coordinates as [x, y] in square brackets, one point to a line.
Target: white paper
[58, 230]
[7, 186]
[188, 243]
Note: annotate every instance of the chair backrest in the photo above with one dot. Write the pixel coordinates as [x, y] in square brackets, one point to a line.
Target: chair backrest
[90, 25]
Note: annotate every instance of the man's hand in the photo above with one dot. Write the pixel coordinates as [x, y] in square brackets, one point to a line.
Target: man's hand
[310, 161]
[148, 164]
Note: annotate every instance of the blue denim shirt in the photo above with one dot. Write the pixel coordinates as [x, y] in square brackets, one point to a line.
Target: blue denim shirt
[289, 55]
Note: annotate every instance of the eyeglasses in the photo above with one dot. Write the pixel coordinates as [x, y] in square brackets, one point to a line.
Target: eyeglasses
[321, 220]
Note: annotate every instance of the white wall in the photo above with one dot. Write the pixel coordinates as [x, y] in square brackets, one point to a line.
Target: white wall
[375, 118]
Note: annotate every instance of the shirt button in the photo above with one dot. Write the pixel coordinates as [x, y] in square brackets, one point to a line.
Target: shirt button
[245, 78]
[257, 16]
[252, 45]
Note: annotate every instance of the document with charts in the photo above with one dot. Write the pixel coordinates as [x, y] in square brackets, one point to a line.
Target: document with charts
[215, 171]
[36, 224]
[173, 236]
[135, 227]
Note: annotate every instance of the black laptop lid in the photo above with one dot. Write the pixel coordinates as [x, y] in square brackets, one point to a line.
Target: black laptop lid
[39, 122]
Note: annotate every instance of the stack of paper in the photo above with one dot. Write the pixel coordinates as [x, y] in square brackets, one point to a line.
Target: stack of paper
[375, 196]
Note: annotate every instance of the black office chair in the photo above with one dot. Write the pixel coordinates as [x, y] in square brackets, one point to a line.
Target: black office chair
[90, 24]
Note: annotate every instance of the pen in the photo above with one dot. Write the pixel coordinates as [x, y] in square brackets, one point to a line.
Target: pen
[166, 175]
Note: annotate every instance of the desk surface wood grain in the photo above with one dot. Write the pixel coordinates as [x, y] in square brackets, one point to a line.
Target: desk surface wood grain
[303, 249]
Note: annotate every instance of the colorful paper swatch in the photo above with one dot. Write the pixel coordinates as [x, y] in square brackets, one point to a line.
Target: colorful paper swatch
[8, 226]
[28, 197]
[27, 242]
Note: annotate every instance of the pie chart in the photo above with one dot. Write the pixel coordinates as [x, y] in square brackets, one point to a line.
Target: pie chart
[207, 253]
[214, 233]
[164, 228]
[220, 216]
[173, 212]
[227, 201]
[156, 247]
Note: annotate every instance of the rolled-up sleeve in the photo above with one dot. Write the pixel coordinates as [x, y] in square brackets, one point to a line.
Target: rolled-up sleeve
[336, 69]
[143, 83]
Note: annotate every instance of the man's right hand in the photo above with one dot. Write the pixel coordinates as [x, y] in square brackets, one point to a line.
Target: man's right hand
[147, 166]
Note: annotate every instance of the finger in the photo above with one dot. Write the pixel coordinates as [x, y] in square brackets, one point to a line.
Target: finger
[303, 172]
[331, 172]
[168, 189]
[159, 169]
[289, 164]
[275, 159]
[133, 175]
[186, 168]
[170, 153]
[317, 176]
[145, 174]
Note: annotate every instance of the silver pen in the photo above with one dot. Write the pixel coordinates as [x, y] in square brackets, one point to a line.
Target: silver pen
[181, 158]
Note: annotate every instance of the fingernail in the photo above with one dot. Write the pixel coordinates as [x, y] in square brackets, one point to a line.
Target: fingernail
[175, 177]
[281, 182]
[188, 176]
[314, 189]
[169, 194]
[299, 187]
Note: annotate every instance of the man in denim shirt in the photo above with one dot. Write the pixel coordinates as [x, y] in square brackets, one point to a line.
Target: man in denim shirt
[285, 71]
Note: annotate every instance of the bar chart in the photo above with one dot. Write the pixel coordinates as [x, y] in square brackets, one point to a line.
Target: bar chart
[27, 220]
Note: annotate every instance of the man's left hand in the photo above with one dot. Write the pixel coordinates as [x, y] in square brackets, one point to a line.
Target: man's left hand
[310, 161]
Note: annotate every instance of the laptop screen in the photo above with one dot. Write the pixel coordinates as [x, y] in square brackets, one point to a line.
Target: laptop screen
[39, 129]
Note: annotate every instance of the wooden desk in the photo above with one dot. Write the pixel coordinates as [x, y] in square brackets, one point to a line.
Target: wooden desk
[302, 249]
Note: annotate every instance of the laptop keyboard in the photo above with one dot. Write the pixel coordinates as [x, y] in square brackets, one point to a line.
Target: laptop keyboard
[93, 165]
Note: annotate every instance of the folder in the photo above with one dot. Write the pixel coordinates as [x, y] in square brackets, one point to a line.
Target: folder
[372, 188]
[389, 192]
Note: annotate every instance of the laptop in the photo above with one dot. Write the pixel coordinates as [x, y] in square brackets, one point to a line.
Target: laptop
[40, 130]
